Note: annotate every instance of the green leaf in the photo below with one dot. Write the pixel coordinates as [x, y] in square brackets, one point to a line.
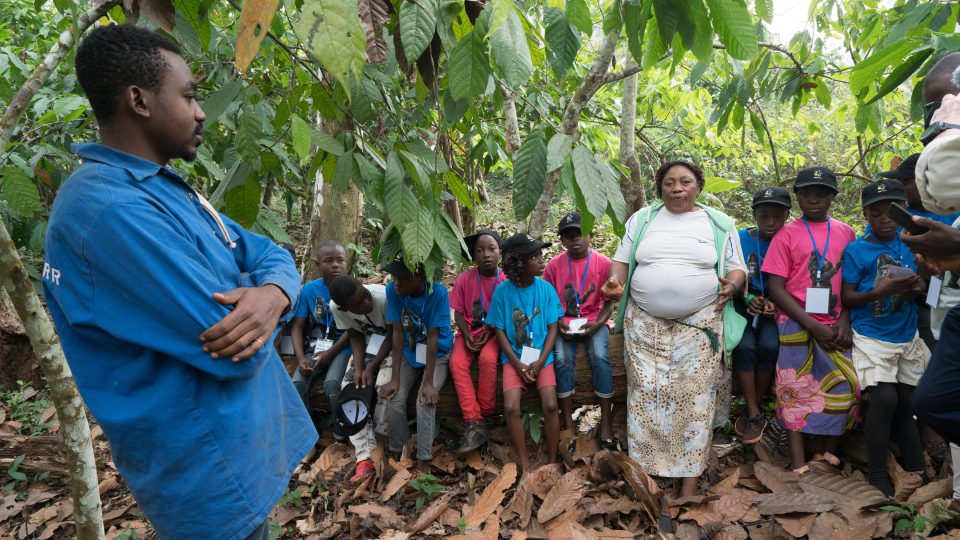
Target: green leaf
[19, 191]
[191, 10]
[327, 143]
[529, 173]
[248, 133]
[343, 173]
[612, 21]
[902, 525]
[243, 203]
[418, 22]
[734, 27]
[448, 238]
[563, 41]
[758, 130]
[558, 150]
[715, 184]
[469, 69]
[220, 100]
[635, 17]
[510, 52]
[823, 93]
[695, 28]
[617, 205]
[668, 17]
[764, 9]
[579, 16]
[458, 188]
[401, 204]
[902, 72]
[536, 430]
[500, 10]
[331, 31]
[870, 69]
[418, 236]
[300, 132]
[589, 180]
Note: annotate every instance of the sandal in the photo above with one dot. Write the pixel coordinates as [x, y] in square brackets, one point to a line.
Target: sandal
[829, 458]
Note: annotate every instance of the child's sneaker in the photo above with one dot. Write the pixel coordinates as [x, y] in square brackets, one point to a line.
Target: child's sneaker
[475, 435]
[365, 469]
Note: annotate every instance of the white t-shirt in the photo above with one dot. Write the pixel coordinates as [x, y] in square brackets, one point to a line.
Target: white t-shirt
[949, 297]
[374, 322]
[676, 270]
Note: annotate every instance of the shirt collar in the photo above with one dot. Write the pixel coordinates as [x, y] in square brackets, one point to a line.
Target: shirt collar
[139, 168]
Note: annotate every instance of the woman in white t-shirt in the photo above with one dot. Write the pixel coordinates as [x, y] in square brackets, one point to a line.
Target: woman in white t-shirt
[672, 319]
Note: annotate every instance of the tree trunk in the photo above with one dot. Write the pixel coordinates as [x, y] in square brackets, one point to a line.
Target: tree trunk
[511, 125]
[88, 512]
[595, 78]
[632, 187]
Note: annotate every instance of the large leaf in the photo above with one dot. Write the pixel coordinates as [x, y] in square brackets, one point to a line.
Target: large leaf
[499, 10]
[300, 132]
[248, 133]
[192, 10]
[589, 180]
[617, 205]
[695, 28]
[511, 54]
[668, 17]
[344, 172]
[558, 150]
[871, 69]
[373, 14]
[327, 143]
[563, 41]
[418, 236]
[529, 173]
[255, 19]
[401, 204]
[469, 68]
[734, 27]
[579, 16]
[418, 22]
[902, 72]
[458, 188]
[243, 203]
[764, 9]
[331, 31]
[218, 101]
[635, 15]
[19, 191]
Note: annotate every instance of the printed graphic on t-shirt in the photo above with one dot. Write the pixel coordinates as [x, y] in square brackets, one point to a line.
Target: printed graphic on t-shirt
[478, 315]
[414, 330]
[520, 324]
[885, 261]
[753, 266]
[571, 306]
[826, 274]
[320, 311]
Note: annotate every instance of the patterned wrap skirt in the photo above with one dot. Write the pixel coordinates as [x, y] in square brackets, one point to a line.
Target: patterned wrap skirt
[673, 381]
[817, 391]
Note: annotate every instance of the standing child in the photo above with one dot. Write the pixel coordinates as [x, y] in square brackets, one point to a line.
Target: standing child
[324, 344]
[816, 383]
[524, 314]
[361, 310]
[577, 275]
[879, 285]
[420, 314]
[470, 300]
[755, 358]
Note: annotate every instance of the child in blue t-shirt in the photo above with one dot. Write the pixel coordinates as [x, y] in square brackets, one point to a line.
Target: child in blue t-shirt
[524, 312]
[420, 314]
[317, 342]
[879, 285]
[755, 358]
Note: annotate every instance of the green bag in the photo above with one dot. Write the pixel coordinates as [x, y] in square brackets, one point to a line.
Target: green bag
[734, 324]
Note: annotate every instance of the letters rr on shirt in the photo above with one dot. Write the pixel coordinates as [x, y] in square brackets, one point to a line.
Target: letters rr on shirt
[51, 274]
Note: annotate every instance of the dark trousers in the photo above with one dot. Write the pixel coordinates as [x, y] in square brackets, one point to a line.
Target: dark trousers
[936, 401]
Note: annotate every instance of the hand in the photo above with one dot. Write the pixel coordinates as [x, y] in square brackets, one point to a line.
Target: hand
[825, 336]
[844, 334]
[564, 329]
[756, 305]
[390, 389]
[769, 308]
[591, 328]
[369, 377]
[246, 329]
[940, 245]
[304, 366]
[891, 286]
[323, 358]
[727, 291]
[524, 372]
[919, 288]
[429, 394]
[949, 110]
[612, 289]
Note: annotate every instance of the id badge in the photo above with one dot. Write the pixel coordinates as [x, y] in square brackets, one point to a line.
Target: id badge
[322, 345]
[529, 355]
[421, 354]
[374, 343]
[576, 325]
[818, 300]
[933, 293]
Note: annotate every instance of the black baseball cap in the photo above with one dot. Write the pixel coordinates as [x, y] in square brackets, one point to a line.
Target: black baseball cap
[905, 171]
[569, 221]
[398, 268]
[523, 244]
[886, 189]
[355, 408]
[471, 240]
[772, 195]
[816, 176]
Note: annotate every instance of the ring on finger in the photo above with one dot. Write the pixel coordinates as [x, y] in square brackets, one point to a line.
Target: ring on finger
[258, 340]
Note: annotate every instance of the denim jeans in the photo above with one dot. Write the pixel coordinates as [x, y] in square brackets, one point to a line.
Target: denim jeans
[332, 377]
[566, 353]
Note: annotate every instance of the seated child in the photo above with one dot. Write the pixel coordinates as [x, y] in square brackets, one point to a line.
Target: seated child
[325, 344]
[816, 383]
[879, 285]
[420, 314]
[755, 358]
[577, 276]
[524, 313]
[470, 300]
[361, 310]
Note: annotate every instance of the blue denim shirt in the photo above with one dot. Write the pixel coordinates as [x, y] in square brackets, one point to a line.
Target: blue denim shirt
[132, 260]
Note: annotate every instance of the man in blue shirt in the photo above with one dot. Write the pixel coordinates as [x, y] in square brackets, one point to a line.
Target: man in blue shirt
[164, 307]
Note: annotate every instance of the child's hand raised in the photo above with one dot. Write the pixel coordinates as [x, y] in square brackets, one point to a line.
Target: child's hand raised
[612, 289]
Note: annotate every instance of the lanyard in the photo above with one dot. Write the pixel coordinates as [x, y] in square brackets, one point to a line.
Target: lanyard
[369, 320]
[583, 280]
[533, 312]
[826, 247]
[328, 316]
[760, 264]
[416, 321]
[896, 252]
[480, 290]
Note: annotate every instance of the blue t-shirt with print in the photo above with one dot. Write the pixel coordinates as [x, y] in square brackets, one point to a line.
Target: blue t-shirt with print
[891, 319]
[524, 310]
[754, 260]
[418, 314]
[314, 304]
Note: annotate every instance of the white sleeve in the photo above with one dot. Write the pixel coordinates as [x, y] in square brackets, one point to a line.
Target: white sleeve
[733, 254]
[625, 247]
[938, 175]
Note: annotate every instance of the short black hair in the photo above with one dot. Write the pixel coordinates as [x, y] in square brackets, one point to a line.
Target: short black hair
[112, 58]
[329, 244]
[662, 172]
[343, 288]
[939, 80]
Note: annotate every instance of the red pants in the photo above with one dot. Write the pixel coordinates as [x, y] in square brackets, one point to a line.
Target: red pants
[482, 402]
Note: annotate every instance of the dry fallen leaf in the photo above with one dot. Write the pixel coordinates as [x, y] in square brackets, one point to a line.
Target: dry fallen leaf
[329, 461]
[772, 503]
[565, 494]
[521, 504]
[544, 478]
[492, 496]
[445, 461]
[841, 489]
[726, 484]
[934, 490]
[399, 480]
[798, 525]
[430, 513]
[776, 479]
[904, 483]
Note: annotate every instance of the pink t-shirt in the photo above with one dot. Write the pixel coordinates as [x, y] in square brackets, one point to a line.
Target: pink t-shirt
[567, 277]
[792, 256]
[465, 297]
